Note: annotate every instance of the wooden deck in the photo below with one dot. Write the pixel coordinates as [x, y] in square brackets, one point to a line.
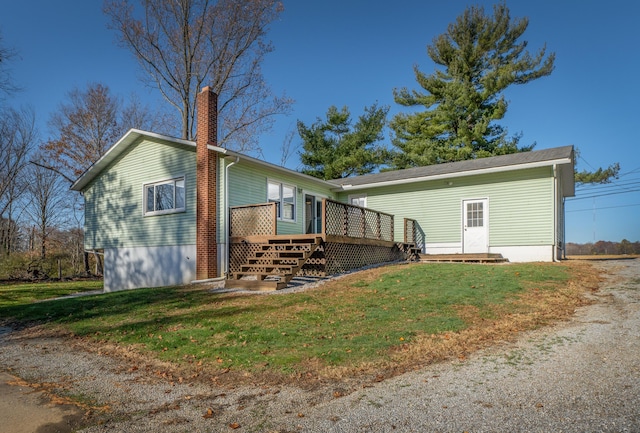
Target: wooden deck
[351, 237]
[463, 258]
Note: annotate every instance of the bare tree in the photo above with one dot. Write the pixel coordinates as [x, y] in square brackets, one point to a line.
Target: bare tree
[184, 45]
[6, 83]
[47, 191]
[17, 137]
[285, 148]
[86, 125]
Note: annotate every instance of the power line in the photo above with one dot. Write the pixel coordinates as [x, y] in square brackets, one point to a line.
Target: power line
[604, 207]
[603, 194]
[604, 185]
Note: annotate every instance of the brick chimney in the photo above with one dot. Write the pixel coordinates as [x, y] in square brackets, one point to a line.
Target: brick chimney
[206, 181]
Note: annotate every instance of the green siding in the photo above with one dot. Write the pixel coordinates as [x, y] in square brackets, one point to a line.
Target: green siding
[248, 185]
[520, 206]
[114, 208]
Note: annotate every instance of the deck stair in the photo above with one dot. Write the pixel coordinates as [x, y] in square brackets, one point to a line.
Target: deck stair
[275, 263]
[414, 252]
[463, 258]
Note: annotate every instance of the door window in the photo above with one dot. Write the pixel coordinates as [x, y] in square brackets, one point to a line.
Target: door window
[475, 214]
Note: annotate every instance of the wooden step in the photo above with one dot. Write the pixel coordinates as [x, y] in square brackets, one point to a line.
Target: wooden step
[295, 240]
[275, 254]
[275, 263]
[259, 276]
[267, 268]
[464, 258]
[286, 247]
[255, 285]
[265, 261]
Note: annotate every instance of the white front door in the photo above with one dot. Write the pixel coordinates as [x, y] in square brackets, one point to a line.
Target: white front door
[475, 224]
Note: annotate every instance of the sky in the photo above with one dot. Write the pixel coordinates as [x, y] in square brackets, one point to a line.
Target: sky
[355, 52]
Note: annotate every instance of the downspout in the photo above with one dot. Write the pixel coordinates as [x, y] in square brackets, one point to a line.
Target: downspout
[555, 213]
[564, 230]
[226, 216]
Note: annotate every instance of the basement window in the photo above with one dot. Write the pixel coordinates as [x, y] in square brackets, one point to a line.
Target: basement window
[285, 198]
[164, 197]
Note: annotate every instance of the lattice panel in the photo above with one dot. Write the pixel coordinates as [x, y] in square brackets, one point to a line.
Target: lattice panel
[386, 227]
[254, 220]
[334, 218]
[328, 259]
[315, 265]
[345, 257]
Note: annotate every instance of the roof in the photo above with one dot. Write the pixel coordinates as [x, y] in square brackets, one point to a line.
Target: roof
[133, 135]
[562, 156]
[538, 158]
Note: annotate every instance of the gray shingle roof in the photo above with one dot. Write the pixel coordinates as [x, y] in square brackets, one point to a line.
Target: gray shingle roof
[515, 159]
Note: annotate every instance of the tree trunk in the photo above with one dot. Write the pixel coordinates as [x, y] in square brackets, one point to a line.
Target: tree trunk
[85, 257]
[99, 269]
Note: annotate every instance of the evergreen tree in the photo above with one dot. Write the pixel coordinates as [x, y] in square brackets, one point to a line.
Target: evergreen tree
[480, 56]
[334, 148]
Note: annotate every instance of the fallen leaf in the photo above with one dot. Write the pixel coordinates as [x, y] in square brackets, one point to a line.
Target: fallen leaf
[209, 414]
[300, 415]
[234, 425]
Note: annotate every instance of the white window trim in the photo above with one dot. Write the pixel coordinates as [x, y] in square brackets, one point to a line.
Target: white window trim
[295, 199]
[357, 196]
[166, 211]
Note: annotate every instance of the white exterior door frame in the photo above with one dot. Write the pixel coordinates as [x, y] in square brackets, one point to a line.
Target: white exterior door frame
[316, 215]
[475, 225]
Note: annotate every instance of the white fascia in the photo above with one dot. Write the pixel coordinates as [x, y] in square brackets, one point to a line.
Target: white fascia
[453, 175]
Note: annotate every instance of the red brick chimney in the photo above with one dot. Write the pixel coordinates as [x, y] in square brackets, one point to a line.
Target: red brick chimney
[206, 180]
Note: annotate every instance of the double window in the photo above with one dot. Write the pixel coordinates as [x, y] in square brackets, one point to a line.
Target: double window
[167, 196]
[285, 198]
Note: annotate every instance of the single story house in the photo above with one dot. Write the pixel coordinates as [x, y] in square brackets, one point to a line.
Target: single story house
[168, 211]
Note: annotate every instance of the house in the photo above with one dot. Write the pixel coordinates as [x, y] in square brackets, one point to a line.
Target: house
[168, 211]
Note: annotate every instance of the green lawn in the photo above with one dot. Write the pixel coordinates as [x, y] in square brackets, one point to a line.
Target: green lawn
[358, 320]
[18, 294]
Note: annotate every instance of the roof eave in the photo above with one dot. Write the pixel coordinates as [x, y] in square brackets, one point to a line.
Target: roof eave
[560, 161]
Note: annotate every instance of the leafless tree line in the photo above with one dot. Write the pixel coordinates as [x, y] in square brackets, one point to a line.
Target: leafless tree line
[603, 248]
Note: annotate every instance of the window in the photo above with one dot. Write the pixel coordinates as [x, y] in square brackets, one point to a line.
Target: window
[163, 197]
[285, 198]
[358, 200]
[475, 217]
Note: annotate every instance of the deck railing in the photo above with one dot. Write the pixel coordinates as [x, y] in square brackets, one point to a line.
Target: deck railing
[413, 233]
[341, 219]
[410, 231]
[338, 219]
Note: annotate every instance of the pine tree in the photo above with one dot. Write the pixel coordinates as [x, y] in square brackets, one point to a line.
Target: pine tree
[334, 148]
[480, 56]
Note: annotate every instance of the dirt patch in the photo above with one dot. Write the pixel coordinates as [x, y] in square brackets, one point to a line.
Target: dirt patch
[28, 408]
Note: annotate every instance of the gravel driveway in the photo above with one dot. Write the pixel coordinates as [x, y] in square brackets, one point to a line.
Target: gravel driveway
[579, 376]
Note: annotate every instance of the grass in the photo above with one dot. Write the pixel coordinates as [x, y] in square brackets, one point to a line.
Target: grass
[386, 318]
[19, 294]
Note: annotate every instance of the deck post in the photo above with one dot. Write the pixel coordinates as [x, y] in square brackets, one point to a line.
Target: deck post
[324, 217]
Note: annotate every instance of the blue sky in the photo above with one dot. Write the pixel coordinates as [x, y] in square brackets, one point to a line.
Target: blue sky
[354, 52]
